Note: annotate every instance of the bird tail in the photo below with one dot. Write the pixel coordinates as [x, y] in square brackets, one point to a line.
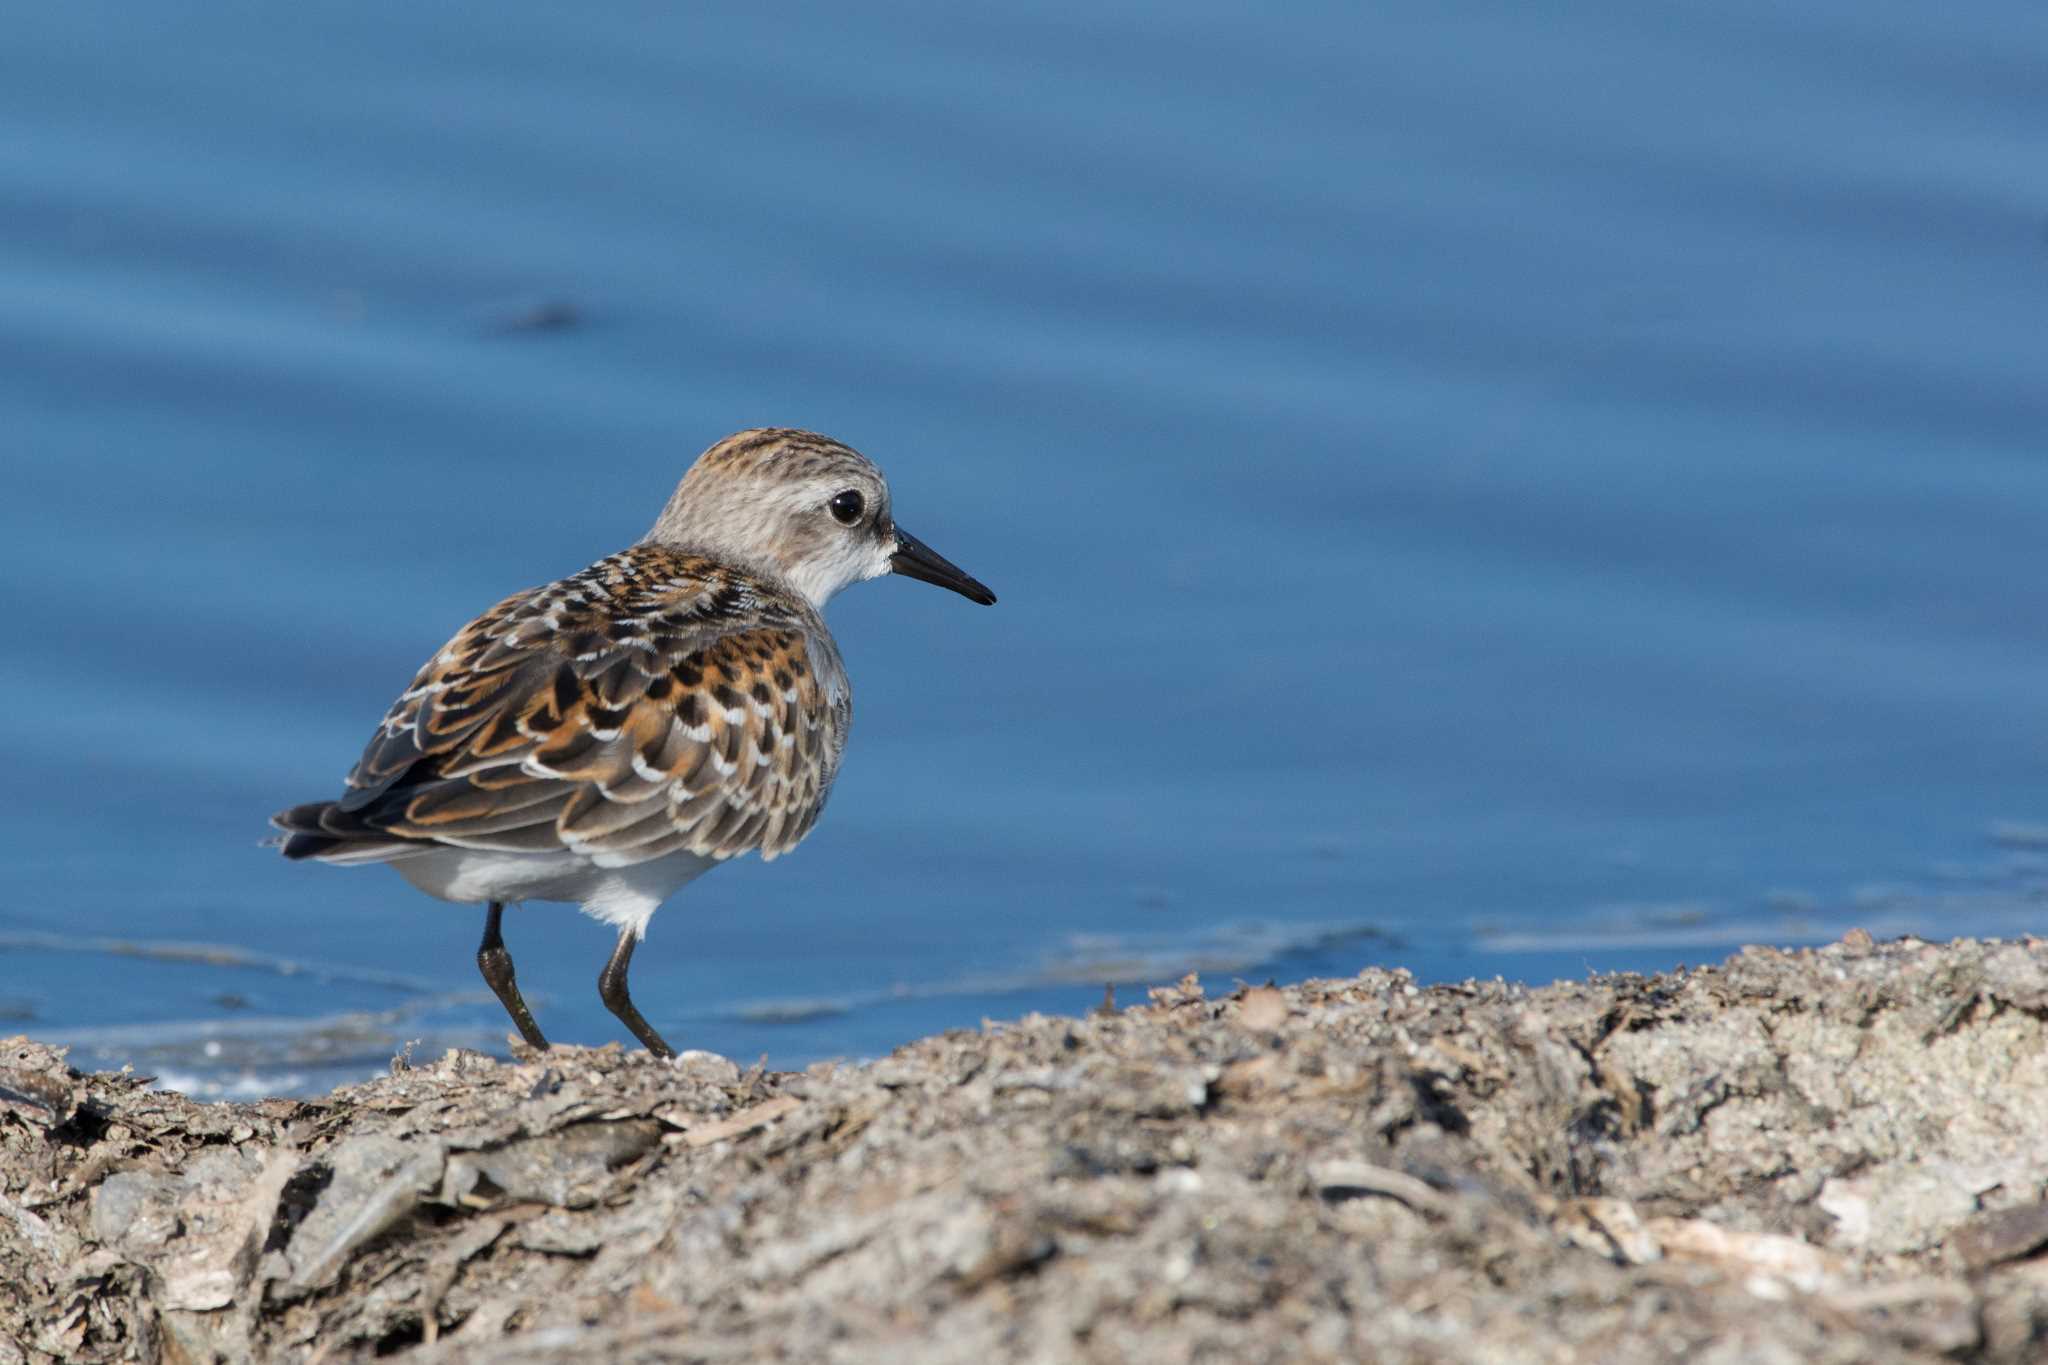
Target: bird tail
[321, 830]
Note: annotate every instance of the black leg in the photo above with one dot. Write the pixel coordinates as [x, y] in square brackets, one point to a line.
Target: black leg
[611, 988]
[496, 965]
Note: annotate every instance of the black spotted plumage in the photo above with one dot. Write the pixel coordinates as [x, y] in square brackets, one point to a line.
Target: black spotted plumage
[584, 716]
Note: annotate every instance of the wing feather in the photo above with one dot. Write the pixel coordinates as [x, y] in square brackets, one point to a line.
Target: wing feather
[654, 703]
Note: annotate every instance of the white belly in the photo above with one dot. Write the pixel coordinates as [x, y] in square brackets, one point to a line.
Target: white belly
[622, 896]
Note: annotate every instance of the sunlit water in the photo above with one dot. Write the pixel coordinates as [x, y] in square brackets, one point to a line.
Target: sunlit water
[1489, 488]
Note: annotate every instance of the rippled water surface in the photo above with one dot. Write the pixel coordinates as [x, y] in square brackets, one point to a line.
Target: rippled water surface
[1490, 488]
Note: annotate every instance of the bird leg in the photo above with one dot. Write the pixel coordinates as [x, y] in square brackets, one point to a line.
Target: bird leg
[496, 964]
[611, 988]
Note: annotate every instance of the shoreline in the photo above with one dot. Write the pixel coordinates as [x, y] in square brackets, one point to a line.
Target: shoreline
[1813, 1155]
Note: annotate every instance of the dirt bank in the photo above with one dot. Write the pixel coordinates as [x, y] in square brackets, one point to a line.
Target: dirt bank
[1836, 1155]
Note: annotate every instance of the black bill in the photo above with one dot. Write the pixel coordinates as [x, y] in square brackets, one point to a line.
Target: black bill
[915, 559]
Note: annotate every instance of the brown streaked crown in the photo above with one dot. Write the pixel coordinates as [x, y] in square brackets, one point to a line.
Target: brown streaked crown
[758, 499]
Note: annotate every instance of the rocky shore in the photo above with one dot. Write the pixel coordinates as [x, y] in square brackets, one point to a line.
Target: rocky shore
[1814, 1156]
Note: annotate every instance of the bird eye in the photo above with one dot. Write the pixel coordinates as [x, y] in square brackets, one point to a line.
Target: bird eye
[847, 507]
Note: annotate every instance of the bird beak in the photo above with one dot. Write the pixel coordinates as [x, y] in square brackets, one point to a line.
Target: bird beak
[915, 559]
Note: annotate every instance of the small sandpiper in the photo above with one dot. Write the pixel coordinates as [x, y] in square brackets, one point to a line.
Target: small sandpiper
[607, 738]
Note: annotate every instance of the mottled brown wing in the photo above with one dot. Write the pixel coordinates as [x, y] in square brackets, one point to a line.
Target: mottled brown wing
[533, 732]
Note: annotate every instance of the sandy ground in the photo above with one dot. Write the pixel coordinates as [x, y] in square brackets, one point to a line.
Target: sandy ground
[1831, 1155]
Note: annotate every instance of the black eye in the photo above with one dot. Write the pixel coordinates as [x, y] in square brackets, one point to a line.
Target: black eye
[847, 507]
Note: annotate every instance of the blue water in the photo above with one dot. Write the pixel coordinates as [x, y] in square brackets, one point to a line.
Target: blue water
[1489, 488]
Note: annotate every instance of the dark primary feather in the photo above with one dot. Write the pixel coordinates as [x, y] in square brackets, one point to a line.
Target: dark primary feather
[654, 703]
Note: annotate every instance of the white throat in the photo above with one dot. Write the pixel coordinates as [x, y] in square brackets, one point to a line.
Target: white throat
[820, 578]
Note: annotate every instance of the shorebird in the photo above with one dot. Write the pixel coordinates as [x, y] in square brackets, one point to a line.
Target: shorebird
[608, 738]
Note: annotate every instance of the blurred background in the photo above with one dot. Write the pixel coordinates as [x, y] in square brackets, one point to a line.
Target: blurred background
[1486, 488]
